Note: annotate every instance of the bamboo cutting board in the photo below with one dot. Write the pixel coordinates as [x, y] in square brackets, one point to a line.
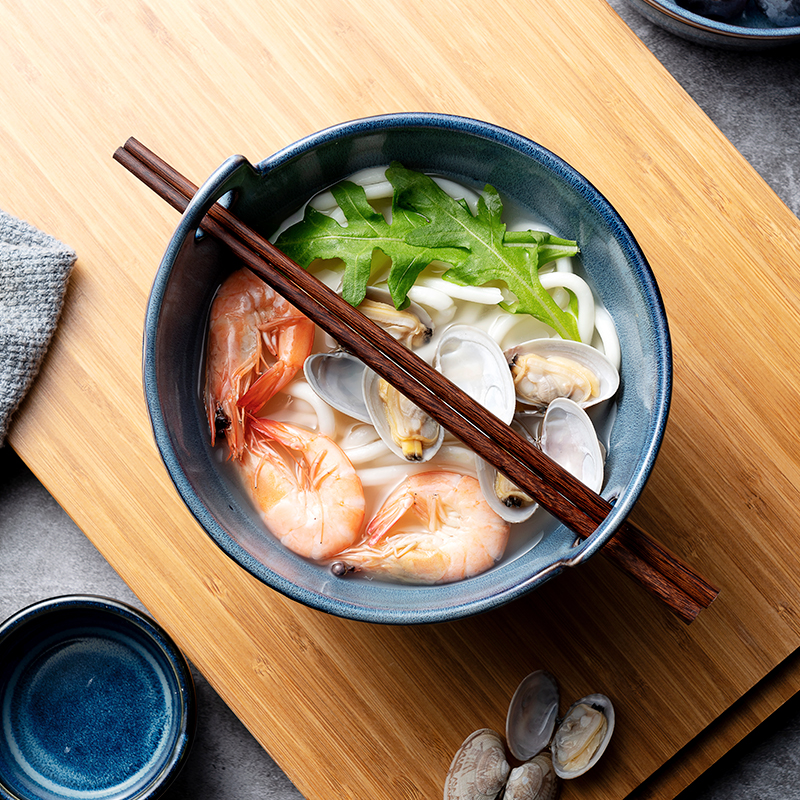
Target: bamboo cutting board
[351, 710]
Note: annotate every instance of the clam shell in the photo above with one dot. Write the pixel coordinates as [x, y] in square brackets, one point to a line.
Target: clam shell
[534, 780]
[338, 378]
[473, 361]
[585, 355]
[479, 769]
[582, 736]
[532, 715]
[570, 439]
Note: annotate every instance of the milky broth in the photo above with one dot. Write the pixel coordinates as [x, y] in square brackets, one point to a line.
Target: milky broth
[379, 469]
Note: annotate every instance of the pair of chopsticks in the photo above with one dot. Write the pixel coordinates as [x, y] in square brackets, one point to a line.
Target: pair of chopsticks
[651, 565]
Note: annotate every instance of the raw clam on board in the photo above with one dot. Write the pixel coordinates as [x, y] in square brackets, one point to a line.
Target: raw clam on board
[534, 780]
[577, 741]
[550, 748]
[479, 769]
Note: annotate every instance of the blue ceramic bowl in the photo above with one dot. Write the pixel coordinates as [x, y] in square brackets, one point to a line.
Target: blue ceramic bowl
[751, 31]
[474, 153]
[97, 703]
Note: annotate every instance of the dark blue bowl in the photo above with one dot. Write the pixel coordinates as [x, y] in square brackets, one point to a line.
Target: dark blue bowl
[474, 153]
[751, 31]
[96, 703]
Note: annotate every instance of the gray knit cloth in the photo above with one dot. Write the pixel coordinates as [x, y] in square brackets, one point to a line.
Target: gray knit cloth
[34, 270]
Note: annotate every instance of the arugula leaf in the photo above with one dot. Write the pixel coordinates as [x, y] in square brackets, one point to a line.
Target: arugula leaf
[483, 235]
[319, 236]
[427, 225]
[550, 247]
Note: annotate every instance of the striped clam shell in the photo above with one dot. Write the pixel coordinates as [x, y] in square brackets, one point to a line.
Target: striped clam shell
[534, 780]
[479, 769]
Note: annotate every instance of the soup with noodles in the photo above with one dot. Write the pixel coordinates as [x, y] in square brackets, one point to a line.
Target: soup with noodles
[375, 488]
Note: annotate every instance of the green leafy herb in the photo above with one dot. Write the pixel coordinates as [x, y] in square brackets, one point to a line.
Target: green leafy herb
[319, 236]
[428, 225]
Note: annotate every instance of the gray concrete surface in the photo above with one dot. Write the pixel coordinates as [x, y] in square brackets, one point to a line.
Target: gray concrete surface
[755, 101]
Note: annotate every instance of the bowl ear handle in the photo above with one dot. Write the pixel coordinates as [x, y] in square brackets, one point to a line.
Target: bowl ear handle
[222, 186]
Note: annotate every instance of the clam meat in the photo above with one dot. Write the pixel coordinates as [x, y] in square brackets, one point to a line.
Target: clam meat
[503, 495]
[509, 494]
[405, 326]
[582, 736]
[405, 428]
[544, 369]
[479, 768]
[411, 326]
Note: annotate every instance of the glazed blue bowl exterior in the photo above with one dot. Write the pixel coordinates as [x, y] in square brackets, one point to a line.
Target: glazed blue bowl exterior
[474, 153]
[97, 703]
[751, 31]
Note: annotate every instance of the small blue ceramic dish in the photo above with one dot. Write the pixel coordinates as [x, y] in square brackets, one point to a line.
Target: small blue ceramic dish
[96, 703]
[471, 152]
[751, 31]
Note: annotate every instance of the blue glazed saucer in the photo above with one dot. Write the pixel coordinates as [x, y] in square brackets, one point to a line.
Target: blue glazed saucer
[752, 31]
[96, 702]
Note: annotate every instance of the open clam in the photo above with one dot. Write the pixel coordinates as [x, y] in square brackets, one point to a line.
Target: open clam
[566, 435]
[577, 741]
[473, 361]
[582, 736]
[405, 429]
[338, 376]
[532, 715]
[570, 439]
[505, 498]
[544, 369]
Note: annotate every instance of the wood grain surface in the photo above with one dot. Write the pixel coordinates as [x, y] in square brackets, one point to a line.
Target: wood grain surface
[352, 710]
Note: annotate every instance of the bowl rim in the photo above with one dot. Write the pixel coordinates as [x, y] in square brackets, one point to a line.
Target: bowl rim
[475, 128]
[686, 17]
[175, 760]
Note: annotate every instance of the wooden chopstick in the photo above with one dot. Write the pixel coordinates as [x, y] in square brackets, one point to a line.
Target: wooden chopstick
[659, 571]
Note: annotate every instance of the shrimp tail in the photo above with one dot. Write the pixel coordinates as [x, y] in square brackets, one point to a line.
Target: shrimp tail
[266, 386]
[388, 515]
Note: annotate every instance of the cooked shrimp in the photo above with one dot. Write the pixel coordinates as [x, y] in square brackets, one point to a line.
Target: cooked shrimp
[307, 492]
[250, 322]
[435, 527]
